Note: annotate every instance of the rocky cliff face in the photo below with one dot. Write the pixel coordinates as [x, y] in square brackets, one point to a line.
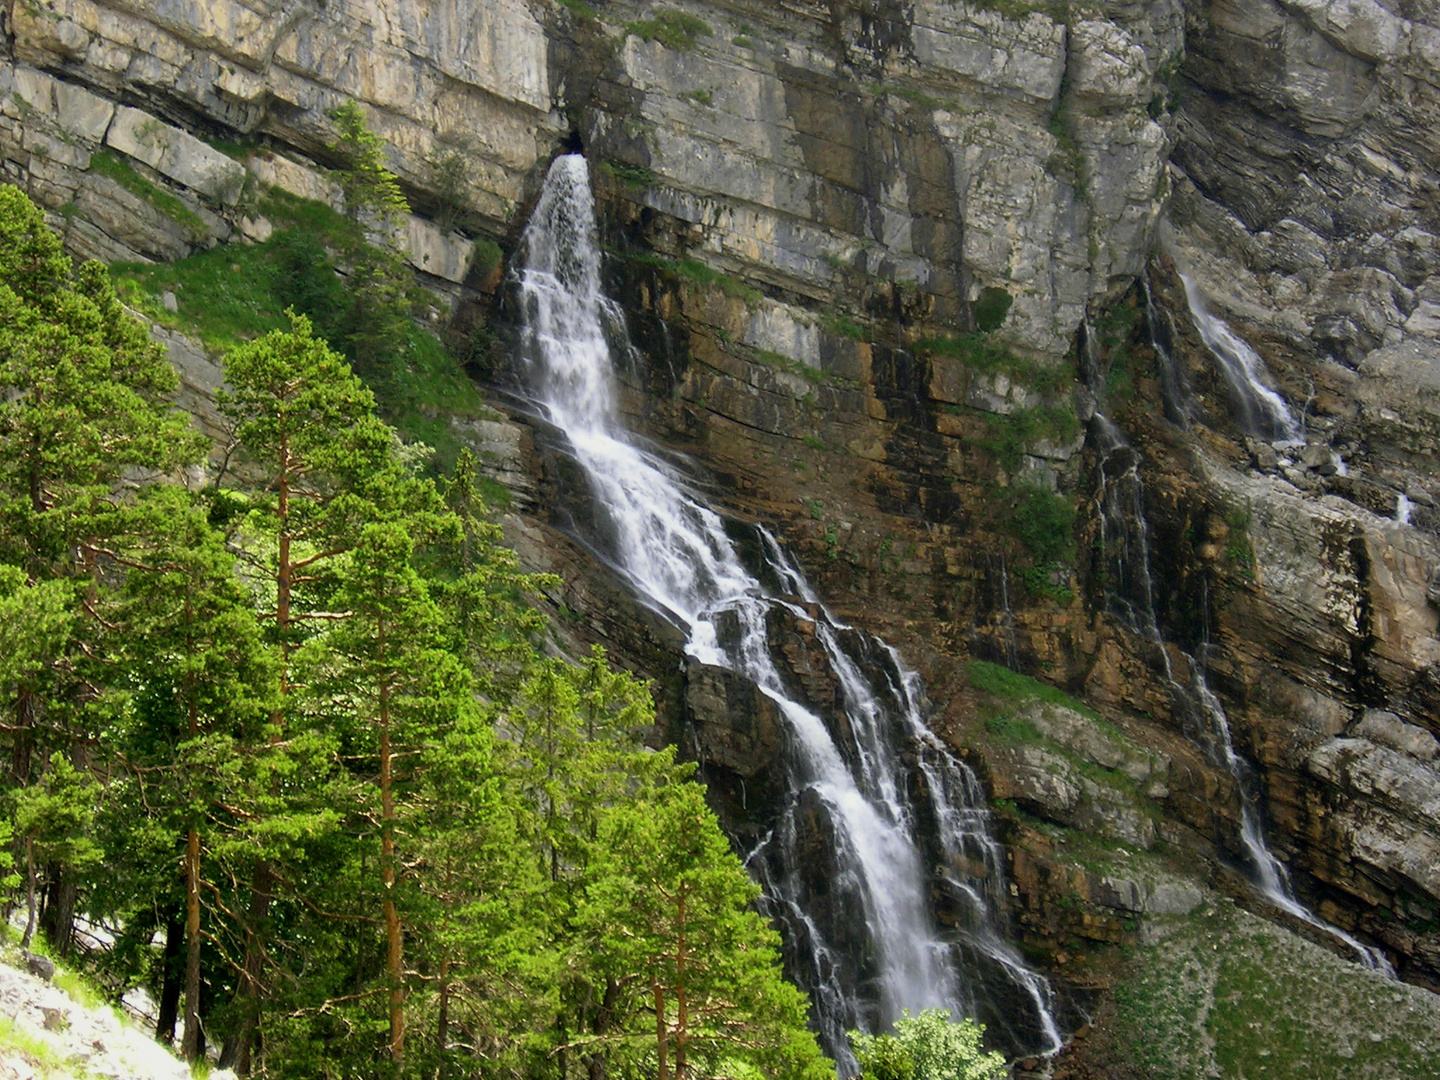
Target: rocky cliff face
[862, 243]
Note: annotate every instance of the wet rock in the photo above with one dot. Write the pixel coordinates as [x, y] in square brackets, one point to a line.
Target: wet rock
[737, 727]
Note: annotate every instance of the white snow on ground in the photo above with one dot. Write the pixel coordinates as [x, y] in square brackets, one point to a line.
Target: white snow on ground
[82, 1041]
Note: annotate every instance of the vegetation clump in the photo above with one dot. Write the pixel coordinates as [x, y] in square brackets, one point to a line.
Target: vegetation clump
[673, 29]
[931, 1046]
[991, 307]
[636, 177]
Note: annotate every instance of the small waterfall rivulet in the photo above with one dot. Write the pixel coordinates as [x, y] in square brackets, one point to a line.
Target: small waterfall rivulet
[1130, 594]
[888, 824]
[1261, 411]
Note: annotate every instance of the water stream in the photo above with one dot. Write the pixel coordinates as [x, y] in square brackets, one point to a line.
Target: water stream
[1130, 594]
[868, 782]
[1262, 412]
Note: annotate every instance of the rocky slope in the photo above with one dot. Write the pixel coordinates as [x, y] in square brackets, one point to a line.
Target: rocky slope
[812, 208]
[48, 1033]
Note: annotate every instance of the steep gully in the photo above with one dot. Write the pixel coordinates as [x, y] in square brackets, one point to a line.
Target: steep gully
[1125, 543]
[887, 799]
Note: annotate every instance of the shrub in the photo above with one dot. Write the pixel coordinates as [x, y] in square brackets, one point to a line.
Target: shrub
[930, 1046]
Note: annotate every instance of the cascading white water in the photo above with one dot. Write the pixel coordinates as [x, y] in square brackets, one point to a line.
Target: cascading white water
[674, 551]
[1262, 412]
[1130, 590]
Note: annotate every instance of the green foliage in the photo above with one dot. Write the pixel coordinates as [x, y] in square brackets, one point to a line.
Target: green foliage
[449, 179]
[83, 396]
[991, 307]
[236, 292]
[993, 354]
[486, 256]
[1013, 434]
[1168, 100]
[1117, 331]
[109, 163]
[1019, 10]
[930, 1046]
[1067, 160]
[844, 326]
[636, 177]
[55, 817]
[1225, 993]
[372, 193]
[1044, 522]
[693, 948]
[673, 29]
[1239, 551]
[700, 97]
[704, 275]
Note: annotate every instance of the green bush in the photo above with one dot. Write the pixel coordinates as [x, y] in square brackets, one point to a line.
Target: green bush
[991, 307]
[1044, 522]
[673, 29]
[930, 1046]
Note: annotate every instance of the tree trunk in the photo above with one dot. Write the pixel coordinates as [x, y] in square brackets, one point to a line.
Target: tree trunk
[661, 1047]
[394, 946]
[240, 1045]
[172, 974]
[190, 1044]
[596, 1065]
[29, 893]
[442, 1024]
[22, 750]
[57, 914]
[190, 1047]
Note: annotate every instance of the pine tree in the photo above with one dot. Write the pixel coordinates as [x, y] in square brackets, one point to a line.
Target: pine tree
[83, 406]
[304, 424]
[378, 278]
[667, 915]
[205, 687]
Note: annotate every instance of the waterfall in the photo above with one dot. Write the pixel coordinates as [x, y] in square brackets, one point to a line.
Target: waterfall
[1173, 389]
[1130, 593]
[1262, 412]
[885, 825]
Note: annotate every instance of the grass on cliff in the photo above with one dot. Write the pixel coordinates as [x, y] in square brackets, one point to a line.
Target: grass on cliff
[673, 29]
[1010, 689]
[235, 292]
[108, 163]
[1226, 994]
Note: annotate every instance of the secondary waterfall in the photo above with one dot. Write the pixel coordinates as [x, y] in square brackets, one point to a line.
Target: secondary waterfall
[1261, 411]
[1130, 592]
[887, 824]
